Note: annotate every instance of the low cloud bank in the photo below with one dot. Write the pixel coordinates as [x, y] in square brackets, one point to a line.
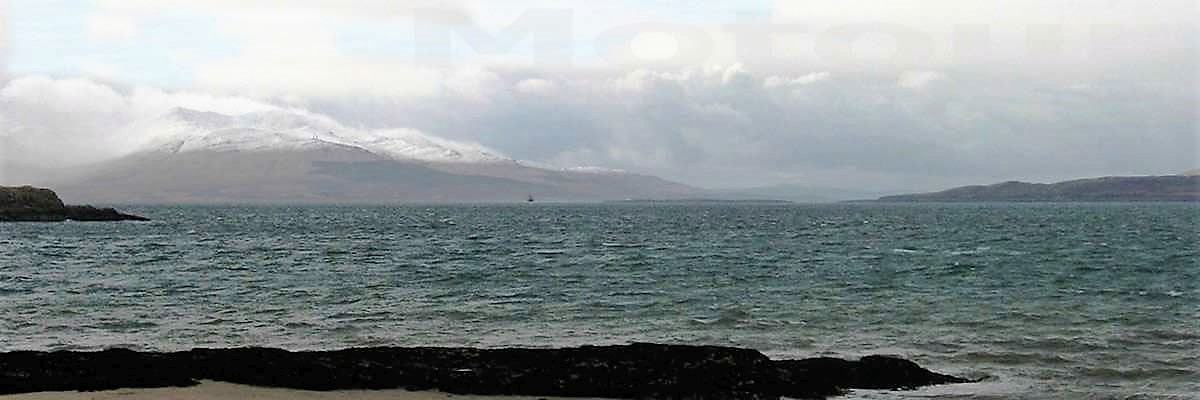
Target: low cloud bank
[715, 127]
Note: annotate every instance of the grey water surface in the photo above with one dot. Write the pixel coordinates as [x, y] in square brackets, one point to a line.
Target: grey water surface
[1075, 301]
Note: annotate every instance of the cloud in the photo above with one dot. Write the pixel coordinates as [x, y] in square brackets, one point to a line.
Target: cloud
[475, 84]
[67, 122]
[316, 75]
[945, 12]
[296, 55]
[732, 126]
[4, 41]
[56, 123]
[326, 49]
[100, 70]
[111, 28]
[343, 9]
[709, 126]
[918, 79]
[310, 47]
[807, 79]
[535, 86]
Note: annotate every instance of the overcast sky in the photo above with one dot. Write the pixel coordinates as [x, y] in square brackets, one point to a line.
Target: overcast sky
[886, 94]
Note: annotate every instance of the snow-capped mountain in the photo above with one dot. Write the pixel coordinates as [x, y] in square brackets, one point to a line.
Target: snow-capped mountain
[184, 130]
[291, 156]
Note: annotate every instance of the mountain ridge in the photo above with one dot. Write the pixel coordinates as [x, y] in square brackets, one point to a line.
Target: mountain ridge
[182, 130]
[295, 157]
[1181, 187]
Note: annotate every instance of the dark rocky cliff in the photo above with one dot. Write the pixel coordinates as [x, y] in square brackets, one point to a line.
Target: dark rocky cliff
[30, 204]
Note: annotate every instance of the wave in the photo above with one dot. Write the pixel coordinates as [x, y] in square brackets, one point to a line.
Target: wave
[622, 245]
[1012, 358]
[1137, 374]
[727, 316]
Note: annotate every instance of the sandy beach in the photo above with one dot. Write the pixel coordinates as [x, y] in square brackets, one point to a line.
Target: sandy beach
[209, 390]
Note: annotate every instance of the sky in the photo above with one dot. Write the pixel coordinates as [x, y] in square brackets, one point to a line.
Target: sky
[873, 94]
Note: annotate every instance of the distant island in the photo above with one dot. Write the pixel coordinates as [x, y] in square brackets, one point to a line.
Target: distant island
[30, 204]
[699, 201]
[1183, 187]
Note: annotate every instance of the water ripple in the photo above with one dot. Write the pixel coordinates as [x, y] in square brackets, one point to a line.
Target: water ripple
[1050, 301]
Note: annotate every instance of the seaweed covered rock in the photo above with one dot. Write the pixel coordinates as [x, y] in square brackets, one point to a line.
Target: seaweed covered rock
[634, 371]
[870, 372]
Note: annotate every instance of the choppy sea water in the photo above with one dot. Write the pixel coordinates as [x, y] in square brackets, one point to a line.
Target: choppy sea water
[1078, 301]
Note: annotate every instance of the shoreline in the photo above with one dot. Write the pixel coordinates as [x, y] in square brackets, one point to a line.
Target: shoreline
[639, 370]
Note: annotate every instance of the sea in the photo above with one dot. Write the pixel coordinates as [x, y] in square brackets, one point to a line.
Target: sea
[1039, 301]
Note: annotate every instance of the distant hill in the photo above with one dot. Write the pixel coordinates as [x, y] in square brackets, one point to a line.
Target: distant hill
[289, 157]
[1114, 188]
[795, 193]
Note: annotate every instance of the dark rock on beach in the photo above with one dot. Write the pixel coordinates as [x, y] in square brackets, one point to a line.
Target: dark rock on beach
[30, 204]
[634, 371]
[870, 372]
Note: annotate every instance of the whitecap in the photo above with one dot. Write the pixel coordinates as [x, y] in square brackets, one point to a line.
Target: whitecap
[612, 244]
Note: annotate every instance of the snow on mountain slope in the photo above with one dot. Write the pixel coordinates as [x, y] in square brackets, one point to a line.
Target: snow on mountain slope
[294, 156]
[184, 130]
[594, 170]
[412, 144]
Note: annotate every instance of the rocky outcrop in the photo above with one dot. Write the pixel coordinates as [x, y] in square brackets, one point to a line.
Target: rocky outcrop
[870, 372]
[27, 203]
[28, 196]
[632, 371]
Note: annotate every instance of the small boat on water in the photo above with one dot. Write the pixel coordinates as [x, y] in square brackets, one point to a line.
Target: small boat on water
[530, 200]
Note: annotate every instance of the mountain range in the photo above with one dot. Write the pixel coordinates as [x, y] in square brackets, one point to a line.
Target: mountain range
[293, 156]
[1182, 187]
[284, 156]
